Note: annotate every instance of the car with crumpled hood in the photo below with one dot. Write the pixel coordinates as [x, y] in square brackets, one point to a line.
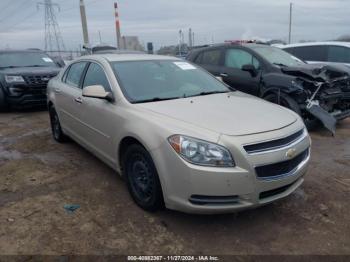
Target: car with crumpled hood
[316, 92]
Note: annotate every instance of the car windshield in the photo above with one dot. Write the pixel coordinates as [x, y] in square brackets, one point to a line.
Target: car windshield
[25, 59]
[277, 56]
[148, 81]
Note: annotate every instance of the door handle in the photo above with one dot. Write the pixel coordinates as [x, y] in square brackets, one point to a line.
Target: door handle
[224, 75]
[57, 90]
[78, 100]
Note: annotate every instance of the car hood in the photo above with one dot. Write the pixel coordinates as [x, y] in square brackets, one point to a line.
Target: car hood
[233, 113]
[317, 72]
[31, 71]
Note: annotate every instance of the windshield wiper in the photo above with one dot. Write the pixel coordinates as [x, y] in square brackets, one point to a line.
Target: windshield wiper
[209, 93]
[154, 99]
[4, 67]
[35, 66]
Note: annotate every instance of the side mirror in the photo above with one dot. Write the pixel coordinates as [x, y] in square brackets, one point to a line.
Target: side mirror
[251, 69]
[97, 91]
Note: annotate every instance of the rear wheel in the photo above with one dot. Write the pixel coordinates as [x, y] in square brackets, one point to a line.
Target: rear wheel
[288, 102]
[3, 104]
[142, 178]
[56, 129]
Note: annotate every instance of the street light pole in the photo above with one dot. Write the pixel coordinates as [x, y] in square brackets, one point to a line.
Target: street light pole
[290, 23]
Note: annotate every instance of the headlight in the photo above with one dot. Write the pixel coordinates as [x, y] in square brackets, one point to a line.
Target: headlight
[14, 79]
[200, 152]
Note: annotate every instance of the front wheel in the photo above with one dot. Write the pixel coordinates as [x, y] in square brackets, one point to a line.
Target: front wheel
[56, 129]
[288, 102]
[142, 178]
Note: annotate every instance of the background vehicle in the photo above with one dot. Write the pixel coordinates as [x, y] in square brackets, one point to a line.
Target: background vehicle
[314, 92]
[24, 75]
[331, 53]
[173, 132]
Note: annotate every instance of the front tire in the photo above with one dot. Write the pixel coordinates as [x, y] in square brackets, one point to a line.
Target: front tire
[288, 102]
[56, 129]
[142, 178]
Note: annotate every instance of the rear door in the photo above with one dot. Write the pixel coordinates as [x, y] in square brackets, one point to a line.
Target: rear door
[69, 99]
[233, 75]
[211, 60]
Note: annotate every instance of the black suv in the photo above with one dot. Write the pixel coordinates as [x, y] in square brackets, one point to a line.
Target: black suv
[314, 92]
[24, 76]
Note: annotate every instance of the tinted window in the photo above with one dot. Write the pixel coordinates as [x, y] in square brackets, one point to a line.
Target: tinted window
[198, 59]
[309, 53]
[74, 73]
[163, 79]
[96, 76]
[25, 59]
[338, 54]
[236, 58]
[211, 57]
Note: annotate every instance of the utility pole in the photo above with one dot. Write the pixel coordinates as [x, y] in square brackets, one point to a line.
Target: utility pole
[117, 26]
[84, 24]
[99, 34]
[290, 23]
[190, 38]
[53, 37]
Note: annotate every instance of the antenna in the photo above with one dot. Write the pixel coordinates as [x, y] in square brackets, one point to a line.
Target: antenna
[53, 37]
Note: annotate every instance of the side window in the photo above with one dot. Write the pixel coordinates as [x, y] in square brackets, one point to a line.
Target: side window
[64, 77]
[198, 59]
[74, 74]
[236, 58]
[309, 53]
[338, 54]
[95, 75]
[211, 57]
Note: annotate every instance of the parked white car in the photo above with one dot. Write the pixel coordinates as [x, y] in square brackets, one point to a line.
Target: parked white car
[179, 136]
[321, 52]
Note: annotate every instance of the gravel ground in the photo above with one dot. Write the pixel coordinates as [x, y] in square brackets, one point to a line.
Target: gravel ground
[39, 176]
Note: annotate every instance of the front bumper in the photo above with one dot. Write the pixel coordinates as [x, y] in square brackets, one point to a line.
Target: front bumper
[207, 190]
[23, 95]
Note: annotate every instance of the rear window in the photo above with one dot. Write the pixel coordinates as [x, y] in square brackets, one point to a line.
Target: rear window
[211, 57]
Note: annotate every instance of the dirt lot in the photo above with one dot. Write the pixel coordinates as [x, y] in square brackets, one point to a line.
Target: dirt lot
[38, 177]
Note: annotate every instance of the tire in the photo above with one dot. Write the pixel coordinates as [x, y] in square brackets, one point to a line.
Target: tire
[288, 102]
[3, 104]
[142, 178]
[56, 129]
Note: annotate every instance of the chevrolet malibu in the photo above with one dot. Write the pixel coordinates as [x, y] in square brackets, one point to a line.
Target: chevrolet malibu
[180, 137]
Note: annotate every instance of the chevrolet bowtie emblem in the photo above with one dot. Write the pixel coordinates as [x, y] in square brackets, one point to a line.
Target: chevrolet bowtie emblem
[290, 153]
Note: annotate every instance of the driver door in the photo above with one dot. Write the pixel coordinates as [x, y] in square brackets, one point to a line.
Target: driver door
[99, 115]
[233, 75]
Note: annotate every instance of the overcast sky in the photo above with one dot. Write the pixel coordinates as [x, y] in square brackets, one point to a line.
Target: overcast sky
[159, 21]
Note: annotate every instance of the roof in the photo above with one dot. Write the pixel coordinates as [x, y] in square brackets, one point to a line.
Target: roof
[334, 43]
[129, 57]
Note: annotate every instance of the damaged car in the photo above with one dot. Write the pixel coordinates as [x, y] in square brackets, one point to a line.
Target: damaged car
[318, 93]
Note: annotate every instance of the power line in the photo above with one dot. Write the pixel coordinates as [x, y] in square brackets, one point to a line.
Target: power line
[53, 37]
[22, 20]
